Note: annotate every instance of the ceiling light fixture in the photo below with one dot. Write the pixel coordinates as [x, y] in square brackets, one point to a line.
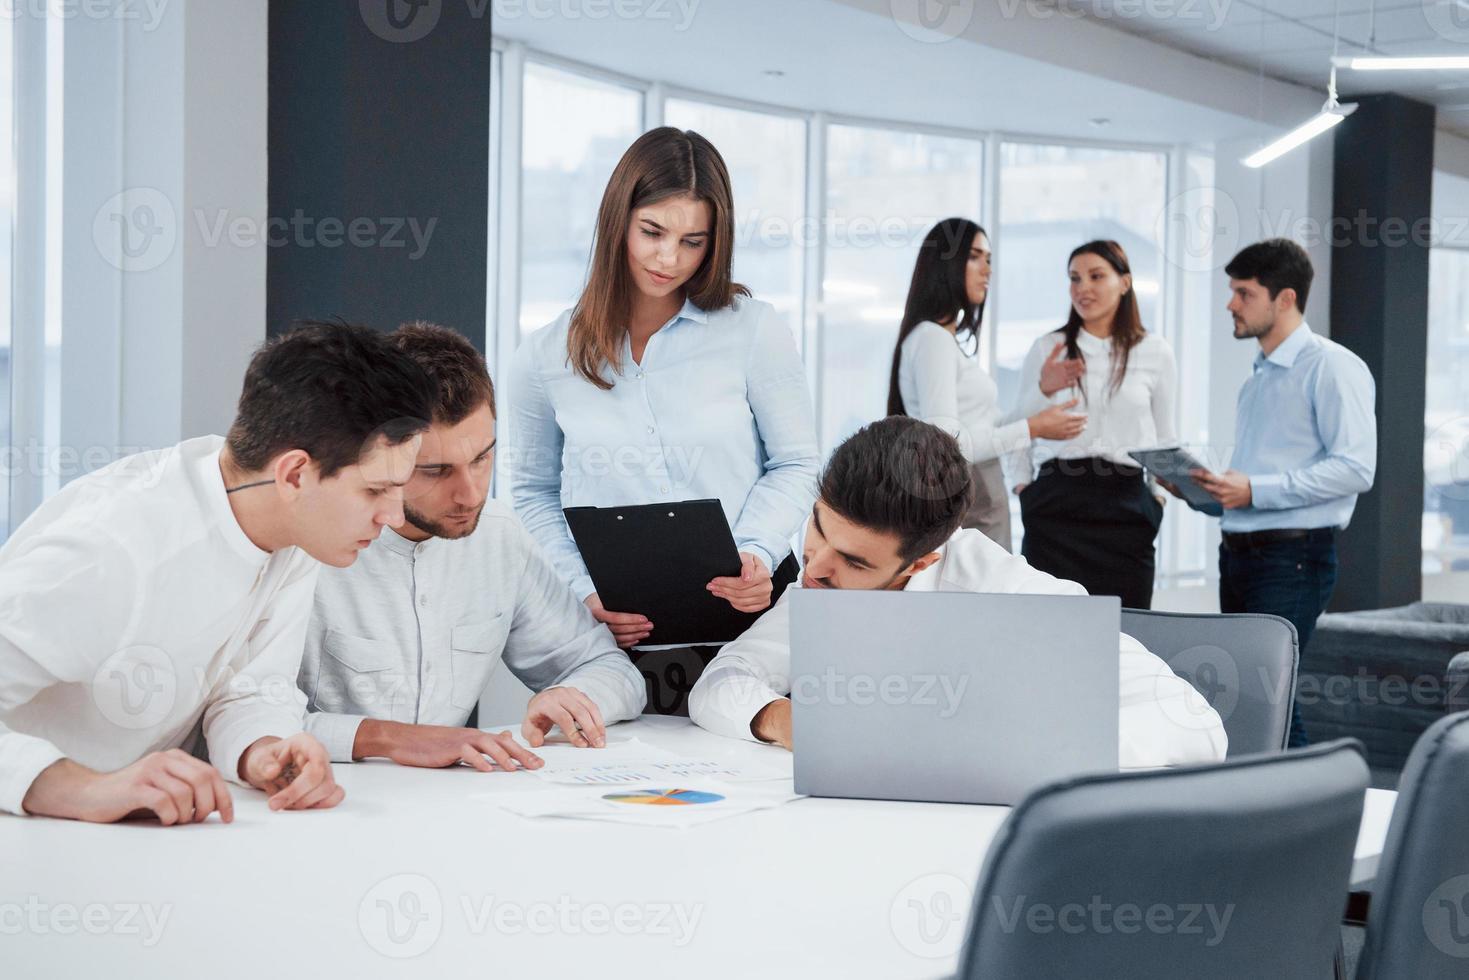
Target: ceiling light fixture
[1437, 62]
[1331, 114]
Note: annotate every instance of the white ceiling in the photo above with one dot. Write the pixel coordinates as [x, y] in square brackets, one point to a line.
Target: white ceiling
[853, 57]
[1292, 40]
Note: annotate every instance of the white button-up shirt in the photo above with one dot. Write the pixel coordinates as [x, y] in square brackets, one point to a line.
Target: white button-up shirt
[718, 408]
[134, 610]
[413, 630]
[1138, 415]
[1162, 719]
[946, 387]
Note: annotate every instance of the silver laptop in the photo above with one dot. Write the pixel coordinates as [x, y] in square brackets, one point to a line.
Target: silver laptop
[950, 697]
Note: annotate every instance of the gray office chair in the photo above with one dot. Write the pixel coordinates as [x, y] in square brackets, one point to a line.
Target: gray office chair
[1244, 664]
[1418, 924]
[1456, 686]
[1238, 869]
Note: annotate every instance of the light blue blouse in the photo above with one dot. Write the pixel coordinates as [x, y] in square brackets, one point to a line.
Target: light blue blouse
[719, 407]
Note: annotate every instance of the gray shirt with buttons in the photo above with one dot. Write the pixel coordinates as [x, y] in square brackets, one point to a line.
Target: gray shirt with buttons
[411, 632]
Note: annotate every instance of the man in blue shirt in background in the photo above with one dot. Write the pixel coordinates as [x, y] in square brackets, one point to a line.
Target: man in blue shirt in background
[1305, 447]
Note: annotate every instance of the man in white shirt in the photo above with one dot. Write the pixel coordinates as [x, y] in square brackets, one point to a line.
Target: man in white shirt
[162, 601]
[887, 517]
[402, 643]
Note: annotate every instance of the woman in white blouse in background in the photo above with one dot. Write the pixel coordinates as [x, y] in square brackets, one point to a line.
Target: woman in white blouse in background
[936, 379]
[1089, 514]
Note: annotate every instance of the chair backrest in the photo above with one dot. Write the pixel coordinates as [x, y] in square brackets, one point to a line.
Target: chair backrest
[1456, 683]
[1244, 664]
[1418, 923]
[1237, 869]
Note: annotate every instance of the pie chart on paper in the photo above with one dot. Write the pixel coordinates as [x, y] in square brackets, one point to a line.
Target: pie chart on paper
[664, 797]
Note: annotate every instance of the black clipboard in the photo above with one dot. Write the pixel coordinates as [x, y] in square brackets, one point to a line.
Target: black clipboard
[1174, 465]
[656, 559]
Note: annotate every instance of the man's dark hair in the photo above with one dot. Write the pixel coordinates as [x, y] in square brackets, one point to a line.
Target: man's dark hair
[900, 476]
[1276, 264]
[451, 361]
[328, 388]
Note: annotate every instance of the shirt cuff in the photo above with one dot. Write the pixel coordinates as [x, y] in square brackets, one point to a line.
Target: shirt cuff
[726, 700]
[24, 758]
[582, 586]
[615, 706]
[760, 553]
[1012, 437]
[1268, 492]
[337, 732]
[227, 745]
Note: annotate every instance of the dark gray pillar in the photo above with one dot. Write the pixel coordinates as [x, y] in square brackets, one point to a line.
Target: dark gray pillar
[1381, 204]
[379, 162]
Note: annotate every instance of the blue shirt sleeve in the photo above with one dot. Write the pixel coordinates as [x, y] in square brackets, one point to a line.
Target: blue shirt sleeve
[1344, 399]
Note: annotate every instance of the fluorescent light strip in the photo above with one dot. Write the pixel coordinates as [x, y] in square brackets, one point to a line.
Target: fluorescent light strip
[1307, 131]
[1406, 63]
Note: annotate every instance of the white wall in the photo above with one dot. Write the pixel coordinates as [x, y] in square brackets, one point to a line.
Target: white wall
[164, 126]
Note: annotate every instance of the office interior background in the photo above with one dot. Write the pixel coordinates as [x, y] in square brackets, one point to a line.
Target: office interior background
[186, 177]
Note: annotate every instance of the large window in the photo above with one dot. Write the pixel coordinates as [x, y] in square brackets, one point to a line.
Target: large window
[885, 189]
[7, 202]
[832, 248]
[1446, 425]
[766, 157]
[1052, 199]
[575, 129]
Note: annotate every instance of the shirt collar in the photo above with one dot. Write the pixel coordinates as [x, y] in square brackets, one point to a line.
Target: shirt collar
[398, 544]
[928, 579]
[1285, 355]
[218, 502]
[690, 312]
[1089, 341]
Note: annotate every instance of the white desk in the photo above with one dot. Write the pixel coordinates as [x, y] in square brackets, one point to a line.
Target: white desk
[815, 888]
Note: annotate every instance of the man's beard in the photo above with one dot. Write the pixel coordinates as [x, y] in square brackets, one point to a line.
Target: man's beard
[438, 530]
[1243, 330]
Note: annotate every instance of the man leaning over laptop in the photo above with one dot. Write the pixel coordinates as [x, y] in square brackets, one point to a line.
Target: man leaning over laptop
[878, 523]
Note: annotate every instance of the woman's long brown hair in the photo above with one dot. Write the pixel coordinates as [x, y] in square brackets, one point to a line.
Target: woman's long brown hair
[662, 163]
[1127, 322]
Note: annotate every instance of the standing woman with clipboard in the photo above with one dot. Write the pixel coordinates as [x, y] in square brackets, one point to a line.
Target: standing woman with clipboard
[665, 382]
[1090, 515]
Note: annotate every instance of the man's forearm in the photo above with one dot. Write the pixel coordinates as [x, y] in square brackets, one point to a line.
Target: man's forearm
[376, 739]
[772, 723]
[55, 792]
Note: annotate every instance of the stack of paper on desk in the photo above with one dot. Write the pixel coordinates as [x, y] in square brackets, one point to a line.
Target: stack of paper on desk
[633, 782]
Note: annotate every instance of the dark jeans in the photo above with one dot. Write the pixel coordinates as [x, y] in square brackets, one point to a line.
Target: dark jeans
[1290, 579]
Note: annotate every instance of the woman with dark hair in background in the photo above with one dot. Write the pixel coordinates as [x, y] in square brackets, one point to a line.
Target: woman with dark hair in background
[1089, 514]
[936, 376]
[665, 382]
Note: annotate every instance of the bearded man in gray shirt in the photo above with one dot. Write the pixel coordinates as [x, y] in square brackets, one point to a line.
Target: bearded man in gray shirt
[401, 645]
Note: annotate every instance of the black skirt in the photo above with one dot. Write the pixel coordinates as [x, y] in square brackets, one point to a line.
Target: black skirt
[1094, 522]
